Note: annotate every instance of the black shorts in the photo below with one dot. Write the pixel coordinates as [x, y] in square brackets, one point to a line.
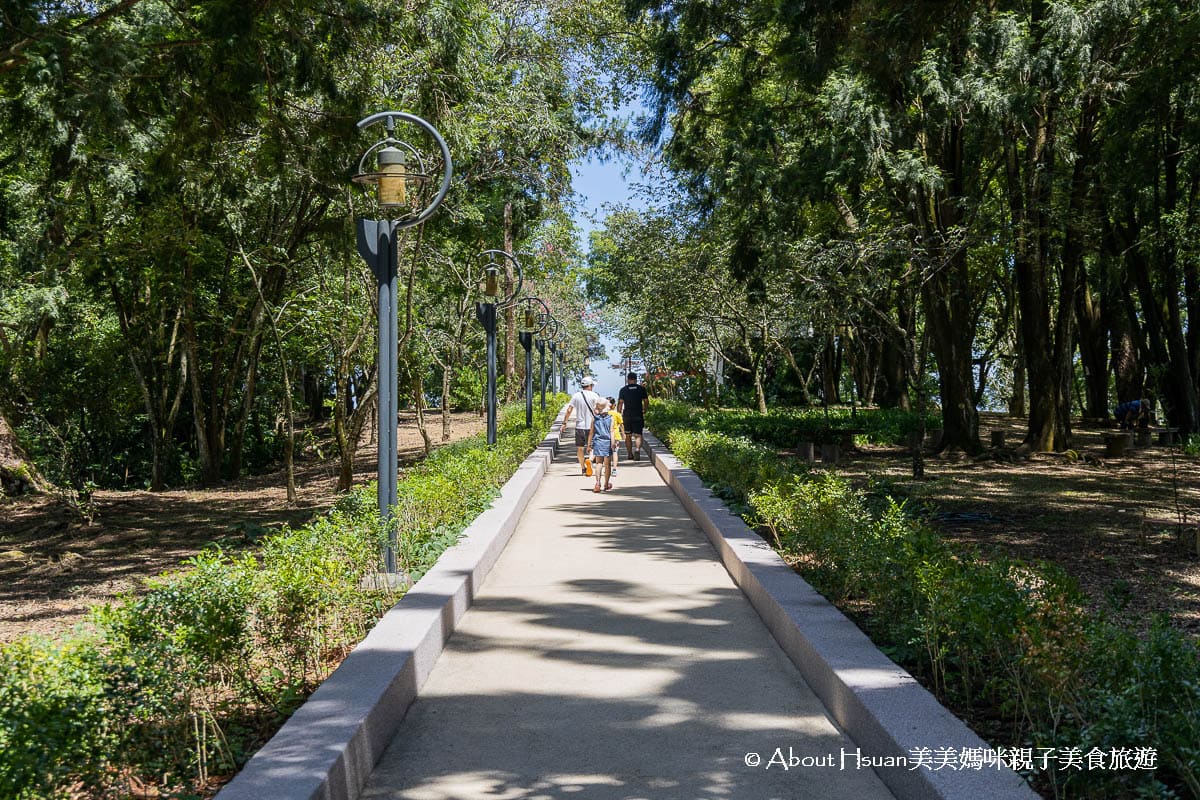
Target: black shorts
[581, 436]
[634, 425]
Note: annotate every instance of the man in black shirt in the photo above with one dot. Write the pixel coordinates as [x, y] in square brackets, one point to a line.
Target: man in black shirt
[631, 405]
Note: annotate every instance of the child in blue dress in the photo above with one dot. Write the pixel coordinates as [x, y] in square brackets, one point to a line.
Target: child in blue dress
[600, 443]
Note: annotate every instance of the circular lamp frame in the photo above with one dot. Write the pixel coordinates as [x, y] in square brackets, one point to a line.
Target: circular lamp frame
[496, 259]
[389, 119]
[531, 305]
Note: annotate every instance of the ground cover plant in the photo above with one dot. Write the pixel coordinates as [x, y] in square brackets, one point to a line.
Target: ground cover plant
[174, 689]
[1011, 646]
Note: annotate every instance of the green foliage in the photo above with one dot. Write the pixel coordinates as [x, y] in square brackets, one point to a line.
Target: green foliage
[786, 427]
[736, 465]
[54, 702]
[186, 679]
[174, 185]
[665, 417]
[987, 633]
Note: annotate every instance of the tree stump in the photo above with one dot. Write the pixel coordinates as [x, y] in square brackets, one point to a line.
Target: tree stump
[997, 438]
[804, 451]
[830, 453]
[1115, 444]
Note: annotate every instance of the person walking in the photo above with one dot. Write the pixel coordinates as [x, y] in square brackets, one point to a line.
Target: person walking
[582, 408]
[600, 444]
[618, 430]
[631, 403]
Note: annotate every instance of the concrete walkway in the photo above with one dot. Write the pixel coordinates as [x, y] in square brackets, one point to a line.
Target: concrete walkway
[609, 656]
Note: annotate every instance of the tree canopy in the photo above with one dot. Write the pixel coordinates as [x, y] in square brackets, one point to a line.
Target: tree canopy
[1010, 188]
[176, 220]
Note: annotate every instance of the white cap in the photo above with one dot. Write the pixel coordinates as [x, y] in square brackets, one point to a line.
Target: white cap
[586, 380]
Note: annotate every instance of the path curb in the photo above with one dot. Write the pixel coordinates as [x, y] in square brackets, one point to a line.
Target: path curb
[879, 705]
[328, 748]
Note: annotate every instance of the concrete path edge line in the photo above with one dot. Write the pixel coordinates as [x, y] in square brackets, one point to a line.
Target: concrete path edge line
[329, 746]
[879, 705]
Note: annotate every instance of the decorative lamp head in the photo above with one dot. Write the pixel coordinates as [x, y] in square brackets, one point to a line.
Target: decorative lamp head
[403, 184]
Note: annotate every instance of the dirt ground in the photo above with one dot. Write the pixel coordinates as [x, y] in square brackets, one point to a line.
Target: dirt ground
[54, 566]
[1125, 527]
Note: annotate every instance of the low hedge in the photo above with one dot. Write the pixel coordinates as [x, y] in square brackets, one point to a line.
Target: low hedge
[178, 686]
[1006, 644]
[784, 428]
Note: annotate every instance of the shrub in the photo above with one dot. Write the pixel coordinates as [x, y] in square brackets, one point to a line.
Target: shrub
[54, 707]
[738, 464]
[992, 636]
[188, 679]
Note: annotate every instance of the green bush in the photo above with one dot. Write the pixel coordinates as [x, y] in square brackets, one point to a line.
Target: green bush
[186, 680]
[784, 428]
[993, 637]
[740, 464]
[664, 417]
[54, 704]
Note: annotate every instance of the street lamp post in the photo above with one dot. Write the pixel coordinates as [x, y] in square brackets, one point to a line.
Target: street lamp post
[562, 369]
[402, 191]
[534, 317]
[552, 328]
[485, 312]
[541, 346]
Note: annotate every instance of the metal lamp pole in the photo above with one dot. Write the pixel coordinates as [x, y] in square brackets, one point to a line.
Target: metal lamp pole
[485, 312]
[534, 317]
[400, 189]
[552, 329]
[541, 346]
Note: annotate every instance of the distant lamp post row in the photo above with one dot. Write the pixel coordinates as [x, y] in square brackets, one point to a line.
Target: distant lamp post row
[495, 297]
[405, 193]
[534, 323]
[534, 318]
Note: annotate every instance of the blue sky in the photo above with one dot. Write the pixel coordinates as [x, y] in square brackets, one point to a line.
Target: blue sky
[599, 185]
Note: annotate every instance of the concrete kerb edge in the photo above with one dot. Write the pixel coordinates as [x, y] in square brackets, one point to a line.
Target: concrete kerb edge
[879, 705]
[329, 746]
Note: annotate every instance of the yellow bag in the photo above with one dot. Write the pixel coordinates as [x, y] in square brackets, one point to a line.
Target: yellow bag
[587, 465]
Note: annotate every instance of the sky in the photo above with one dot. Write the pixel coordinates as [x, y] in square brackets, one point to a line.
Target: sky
[599, 185]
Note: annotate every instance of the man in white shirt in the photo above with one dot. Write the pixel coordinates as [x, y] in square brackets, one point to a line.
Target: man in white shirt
[582, 404]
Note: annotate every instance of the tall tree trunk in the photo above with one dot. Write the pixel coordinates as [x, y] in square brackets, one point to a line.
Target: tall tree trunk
[1029, 194]
[1020, 382]
[418, 390]
[289, 445]
[829, 372]
[1093, 352]
[236, 448]
[950, 342]
[18, 475]
[446, 402]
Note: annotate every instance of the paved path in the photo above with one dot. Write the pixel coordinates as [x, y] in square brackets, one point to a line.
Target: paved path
[609, 656]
